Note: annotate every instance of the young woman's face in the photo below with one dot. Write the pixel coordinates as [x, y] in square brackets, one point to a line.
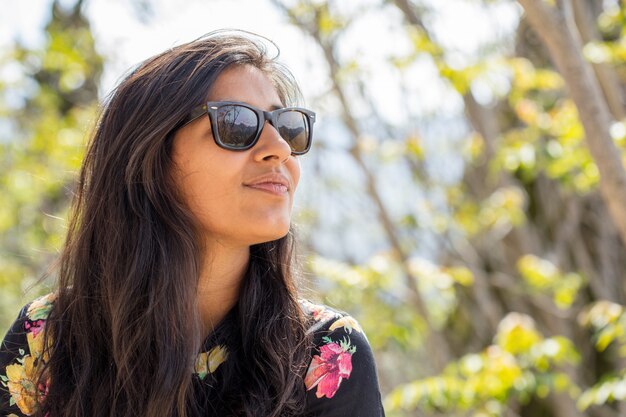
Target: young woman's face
[224, 189]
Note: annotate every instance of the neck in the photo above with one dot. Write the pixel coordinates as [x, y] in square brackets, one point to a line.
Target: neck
[221, 275]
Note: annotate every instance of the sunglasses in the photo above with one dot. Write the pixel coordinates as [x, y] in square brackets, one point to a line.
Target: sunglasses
[237, 126]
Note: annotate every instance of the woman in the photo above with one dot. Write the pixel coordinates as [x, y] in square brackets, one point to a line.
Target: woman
[175, 293]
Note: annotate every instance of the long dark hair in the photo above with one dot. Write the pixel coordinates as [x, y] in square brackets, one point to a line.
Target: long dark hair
[124, 330]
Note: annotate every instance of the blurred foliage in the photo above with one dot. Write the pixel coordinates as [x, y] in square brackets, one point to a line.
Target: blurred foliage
[521, 363]
[519, 238]
[520, 274]
[356, 287]
[47, 106]
[608, 324]
[542, 277]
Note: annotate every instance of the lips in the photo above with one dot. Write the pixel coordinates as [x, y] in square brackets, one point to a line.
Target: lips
[274, 183]
[271, 187]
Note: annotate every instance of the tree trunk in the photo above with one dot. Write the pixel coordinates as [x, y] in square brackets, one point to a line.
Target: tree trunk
[556, 29]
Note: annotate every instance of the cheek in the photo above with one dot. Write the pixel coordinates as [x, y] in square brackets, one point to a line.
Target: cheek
[209, 188]
[293, 165]
[204, 181]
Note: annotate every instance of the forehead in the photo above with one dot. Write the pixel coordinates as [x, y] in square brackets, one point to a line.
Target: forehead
[245, 83]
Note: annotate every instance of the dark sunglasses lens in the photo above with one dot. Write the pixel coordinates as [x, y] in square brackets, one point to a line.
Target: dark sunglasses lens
[236, 126]
[293, 127]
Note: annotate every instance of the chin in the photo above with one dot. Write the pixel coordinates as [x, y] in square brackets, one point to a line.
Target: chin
[268, 237]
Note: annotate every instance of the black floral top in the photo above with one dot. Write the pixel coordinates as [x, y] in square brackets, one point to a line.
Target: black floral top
[340, 381]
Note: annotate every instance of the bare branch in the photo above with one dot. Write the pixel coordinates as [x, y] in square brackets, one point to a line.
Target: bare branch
[438, 345]
[605, 74]
[555, 30]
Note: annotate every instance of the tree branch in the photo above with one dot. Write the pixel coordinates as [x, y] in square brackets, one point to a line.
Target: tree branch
[606, 76]
[438, 346]
[555, 30]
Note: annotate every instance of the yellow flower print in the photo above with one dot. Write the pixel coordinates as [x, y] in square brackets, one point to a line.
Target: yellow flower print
[348, 323]
[35, 344]
[21, 377]
[207, 362]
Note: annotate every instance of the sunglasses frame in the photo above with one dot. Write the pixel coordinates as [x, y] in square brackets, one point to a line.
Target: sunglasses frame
[210, 108]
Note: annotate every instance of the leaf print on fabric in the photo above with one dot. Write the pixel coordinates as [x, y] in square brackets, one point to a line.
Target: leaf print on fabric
[40, 308]
[208, 362]
[328, 369]
[348, 323]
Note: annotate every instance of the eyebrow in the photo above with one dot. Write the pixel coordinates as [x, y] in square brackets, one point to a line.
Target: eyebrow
[272, 107]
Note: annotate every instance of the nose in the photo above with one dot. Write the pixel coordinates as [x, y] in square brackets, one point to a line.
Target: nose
[271, 146]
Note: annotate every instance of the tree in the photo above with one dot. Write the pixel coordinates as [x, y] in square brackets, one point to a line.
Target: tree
[496, 292]
[527, 274]
[48, 112]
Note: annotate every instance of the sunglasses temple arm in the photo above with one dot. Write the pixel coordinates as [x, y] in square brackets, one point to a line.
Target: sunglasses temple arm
[195, 113]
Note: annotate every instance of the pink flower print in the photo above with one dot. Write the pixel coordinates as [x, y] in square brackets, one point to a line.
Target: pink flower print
[328, 369]
[34, 326]
[43, 390]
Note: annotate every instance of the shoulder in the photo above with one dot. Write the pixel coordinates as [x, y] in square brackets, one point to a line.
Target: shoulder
[29, 324]
[323, 317]
[342, 371]
[21, 352]
[337, 337]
